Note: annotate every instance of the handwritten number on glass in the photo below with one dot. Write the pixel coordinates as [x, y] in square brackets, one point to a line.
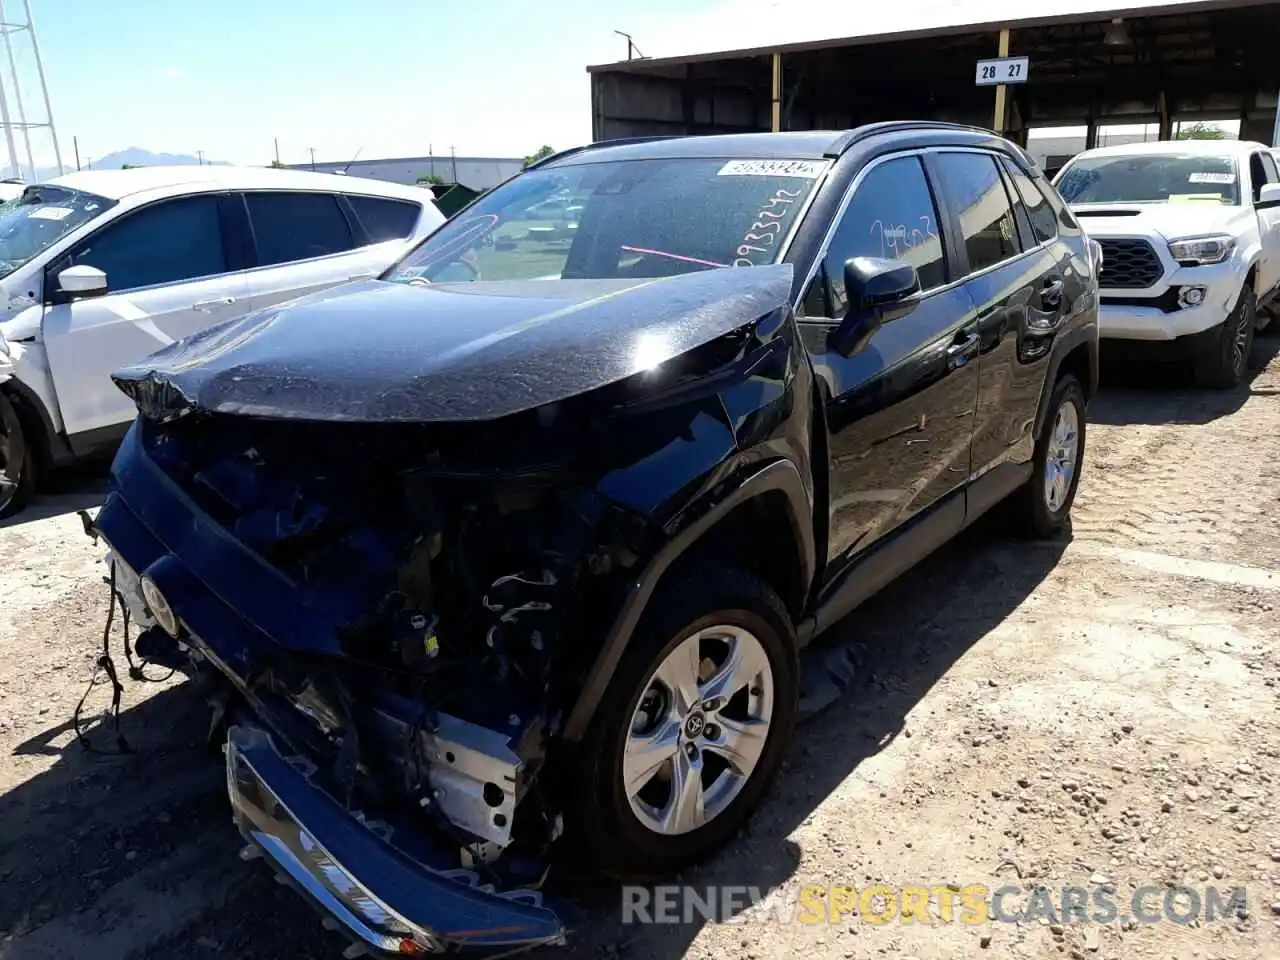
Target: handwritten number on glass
[895, 239]
[766, 227]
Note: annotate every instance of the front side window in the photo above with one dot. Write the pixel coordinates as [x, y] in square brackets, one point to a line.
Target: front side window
[1043, 220]
[1269, 168]
[1150, 178]
[167, 242]
[39, 218]
[297, 226]
[892, 217]
[976, 196]
[620, 219]
[385, 219]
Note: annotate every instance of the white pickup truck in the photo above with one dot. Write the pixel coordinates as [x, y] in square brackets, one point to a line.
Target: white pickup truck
[1190, 237]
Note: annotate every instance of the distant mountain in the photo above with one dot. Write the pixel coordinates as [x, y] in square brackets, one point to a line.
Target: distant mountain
[135, 156]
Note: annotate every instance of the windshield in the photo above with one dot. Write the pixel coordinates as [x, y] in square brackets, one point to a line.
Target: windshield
[622, 219]
[39, 218]
[1151, 178]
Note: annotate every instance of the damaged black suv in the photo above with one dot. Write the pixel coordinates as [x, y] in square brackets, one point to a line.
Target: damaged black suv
[518, 546]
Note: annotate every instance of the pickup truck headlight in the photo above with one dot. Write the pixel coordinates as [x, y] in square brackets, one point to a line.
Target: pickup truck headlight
[1198, 251]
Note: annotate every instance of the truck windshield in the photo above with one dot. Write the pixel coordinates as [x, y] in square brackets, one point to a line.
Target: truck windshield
[42, 216]
[1150, 178]
[620, 219]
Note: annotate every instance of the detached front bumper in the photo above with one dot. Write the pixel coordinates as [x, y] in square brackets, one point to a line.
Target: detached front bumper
[384, 901]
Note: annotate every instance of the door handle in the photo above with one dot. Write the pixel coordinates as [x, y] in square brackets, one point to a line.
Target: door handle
[963, 350]
[1051, 295]
[205, 306]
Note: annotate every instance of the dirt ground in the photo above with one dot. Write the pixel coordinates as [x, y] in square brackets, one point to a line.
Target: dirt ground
[1097, 711]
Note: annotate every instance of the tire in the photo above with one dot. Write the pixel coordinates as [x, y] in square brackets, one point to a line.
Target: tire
[1044, 510]
[614, 837]
[1224, 359]
[17, 462]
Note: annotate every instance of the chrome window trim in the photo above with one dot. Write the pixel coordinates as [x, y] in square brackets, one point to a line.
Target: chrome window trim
[825, 247]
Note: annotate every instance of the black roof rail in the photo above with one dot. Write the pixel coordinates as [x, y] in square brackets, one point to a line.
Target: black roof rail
[869, 130]
[619, 142]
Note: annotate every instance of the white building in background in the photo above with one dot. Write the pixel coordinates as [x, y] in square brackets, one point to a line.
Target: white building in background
[478, 173]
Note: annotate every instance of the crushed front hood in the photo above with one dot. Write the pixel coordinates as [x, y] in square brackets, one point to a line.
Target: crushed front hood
[392, 352]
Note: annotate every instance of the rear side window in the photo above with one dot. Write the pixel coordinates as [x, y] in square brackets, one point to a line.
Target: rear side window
[385, 219]
[297, 226]
[891, 216]
[1043, 220]
[976, 195]
[167, 242]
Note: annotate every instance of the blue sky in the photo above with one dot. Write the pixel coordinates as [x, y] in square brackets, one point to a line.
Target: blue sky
[495, 77]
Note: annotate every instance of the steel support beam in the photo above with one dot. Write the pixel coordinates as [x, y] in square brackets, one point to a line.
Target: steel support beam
[1001, 91]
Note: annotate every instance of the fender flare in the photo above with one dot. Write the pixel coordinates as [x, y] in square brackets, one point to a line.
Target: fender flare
[1087, 335]
[780, 475]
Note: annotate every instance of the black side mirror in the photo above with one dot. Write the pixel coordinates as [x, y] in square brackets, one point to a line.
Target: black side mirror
[878, 292]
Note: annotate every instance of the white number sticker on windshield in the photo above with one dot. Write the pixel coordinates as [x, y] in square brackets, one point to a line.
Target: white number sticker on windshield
[807, 169]
[51, 213]
[1204, 177]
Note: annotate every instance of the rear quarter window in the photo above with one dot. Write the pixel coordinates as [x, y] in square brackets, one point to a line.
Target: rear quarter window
[384, 219]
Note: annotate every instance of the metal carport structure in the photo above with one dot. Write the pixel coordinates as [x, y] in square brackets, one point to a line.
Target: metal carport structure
[1091, 63]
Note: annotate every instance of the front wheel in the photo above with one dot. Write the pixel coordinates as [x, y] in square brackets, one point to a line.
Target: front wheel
[1059, 458]
[17, 461]
[693, 727]
[1225, 356]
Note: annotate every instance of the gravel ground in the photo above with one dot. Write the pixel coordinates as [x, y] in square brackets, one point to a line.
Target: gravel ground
[1097, 712]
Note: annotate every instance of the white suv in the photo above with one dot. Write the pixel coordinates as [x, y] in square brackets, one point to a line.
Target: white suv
[100, 269]
[1190, 236]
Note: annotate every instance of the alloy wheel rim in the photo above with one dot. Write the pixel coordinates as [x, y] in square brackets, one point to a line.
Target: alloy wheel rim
[699, 730]
[1240, 348]
[1060, 462]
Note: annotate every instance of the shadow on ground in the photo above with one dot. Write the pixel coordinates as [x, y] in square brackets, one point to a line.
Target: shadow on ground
[83, 830]
[82, 487]
[1161, 393]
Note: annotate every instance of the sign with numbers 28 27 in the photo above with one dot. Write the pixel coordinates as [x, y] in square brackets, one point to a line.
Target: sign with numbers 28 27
[1004, 70]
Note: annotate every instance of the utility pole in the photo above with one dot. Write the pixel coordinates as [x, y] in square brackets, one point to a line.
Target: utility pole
[454, 159]
[76, 144]
[17, 93]
[313, 158]
[200, 157]
[277, 143]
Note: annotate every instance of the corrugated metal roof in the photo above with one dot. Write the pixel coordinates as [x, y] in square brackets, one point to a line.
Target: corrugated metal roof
[750, 27]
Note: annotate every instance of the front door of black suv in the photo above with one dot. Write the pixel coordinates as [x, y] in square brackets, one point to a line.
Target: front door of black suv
[899, 410]
[1015, 278]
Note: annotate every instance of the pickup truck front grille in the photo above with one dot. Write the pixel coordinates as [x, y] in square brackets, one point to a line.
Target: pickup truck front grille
[1129, 265]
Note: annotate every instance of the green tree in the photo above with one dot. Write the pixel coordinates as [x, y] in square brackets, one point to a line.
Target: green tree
[1200, 131]
[277, 164]
[130, 166]
[430, 179]
[543, 151]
